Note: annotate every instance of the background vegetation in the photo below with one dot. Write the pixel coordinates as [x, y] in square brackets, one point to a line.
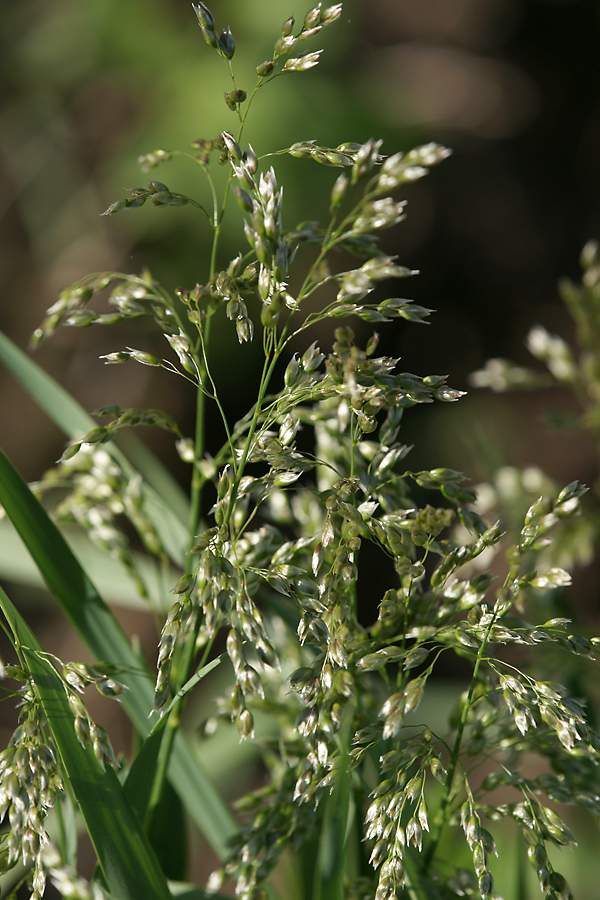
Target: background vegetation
[512, 87]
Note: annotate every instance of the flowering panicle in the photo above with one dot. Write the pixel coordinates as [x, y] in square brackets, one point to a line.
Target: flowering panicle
[29, 781]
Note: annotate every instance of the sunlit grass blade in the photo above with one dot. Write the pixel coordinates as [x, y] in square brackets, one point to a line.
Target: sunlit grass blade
[186, 892]
[166, 503]
[100, 631]
[138, 783]
[107, 573]
[128, 863]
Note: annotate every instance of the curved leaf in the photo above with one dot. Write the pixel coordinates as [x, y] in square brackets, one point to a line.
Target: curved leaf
[166, 503]
[100, 631]
[107, 573]
[128, 863]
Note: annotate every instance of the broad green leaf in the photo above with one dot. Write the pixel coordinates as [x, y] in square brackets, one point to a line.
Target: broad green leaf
[165, 501]
[128, 863]
[94, 622]
[66, 832]
[308, 855]
[166, 829]
[138, 783]
[168, 834]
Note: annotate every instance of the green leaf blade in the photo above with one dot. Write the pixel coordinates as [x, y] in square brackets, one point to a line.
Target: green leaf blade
[127, 861]
[102, 634]
[167, 505]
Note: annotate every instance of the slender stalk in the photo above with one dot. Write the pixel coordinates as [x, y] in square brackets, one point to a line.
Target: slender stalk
[197, 481]
[215, 396]
[521, 871]
[442, 813]
[171, 728]
[199, 442]
[264, 383]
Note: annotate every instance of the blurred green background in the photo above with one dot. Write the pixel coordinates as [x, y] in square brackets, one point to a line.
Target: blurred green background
[511, 86]
[86, 86]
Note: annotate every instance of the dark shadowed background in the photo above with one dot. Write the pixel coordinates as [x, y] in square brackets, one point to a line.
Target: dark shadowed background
[512, 87]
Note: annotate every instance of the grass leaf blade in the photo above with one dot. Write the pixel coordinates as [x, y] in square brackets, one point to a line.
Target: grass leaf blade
[168, 506]
[100, 631]
[125, 856]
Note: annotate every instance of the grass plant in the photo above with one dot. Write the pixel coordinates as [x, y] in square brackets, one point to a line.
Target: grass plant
[362, 797]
